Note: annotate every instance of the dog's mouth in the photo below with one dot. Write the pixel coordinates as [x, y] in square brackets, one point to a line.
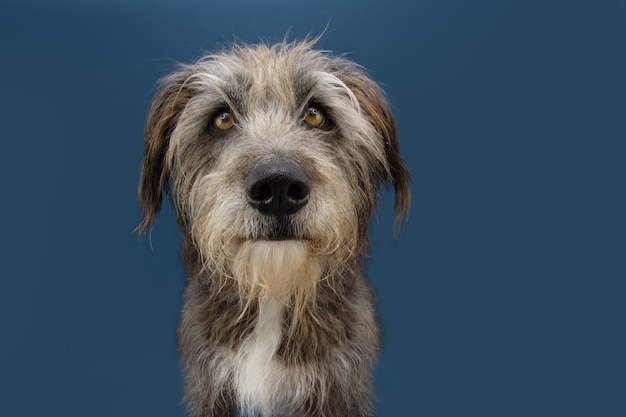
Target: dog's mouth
[281, 231]
[271, 238]
[282, 235]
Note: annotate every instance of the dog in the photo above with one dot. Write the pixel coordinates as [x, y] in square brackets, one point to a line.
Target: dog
[273, 157]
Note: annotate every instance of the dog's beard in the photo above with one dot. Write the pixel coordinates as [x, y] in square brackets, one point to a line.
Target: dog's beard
[284, 271]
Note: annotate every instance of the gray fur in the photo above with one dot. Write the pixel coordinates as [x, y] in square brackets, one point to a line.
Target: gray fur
[273, 328]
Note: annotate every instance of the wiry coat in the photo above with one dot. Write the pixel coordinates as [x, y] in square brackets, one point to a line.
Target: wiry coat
[278, 317]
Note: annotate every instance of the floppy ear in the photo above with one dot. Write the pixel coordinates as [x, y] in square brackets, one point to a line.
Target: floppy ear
[374, 104]
[165, 110]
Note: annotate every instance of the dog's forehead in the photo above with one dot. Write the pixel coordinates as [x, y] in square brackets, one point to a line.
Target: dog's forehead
[258, 76]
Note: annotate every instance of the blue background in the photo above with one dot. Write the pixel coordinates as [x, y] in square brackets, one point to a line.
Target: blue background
[505, 294]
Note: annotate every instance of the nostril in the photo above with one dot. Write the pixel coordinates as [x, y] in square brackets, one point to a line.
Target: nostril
[261, 192]
[298, 192]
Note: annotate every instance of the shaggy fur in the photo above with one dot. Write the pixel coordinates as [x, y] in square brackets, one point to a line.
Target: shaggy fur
[278, 317]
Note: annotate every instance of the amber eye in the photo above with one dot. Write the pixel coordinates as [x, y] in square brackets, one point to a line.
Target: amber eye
[223, 120]
[313, 116]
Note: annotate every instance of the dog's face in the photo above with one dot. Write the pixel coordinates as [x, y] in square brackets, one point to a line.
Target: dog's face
[279, 144]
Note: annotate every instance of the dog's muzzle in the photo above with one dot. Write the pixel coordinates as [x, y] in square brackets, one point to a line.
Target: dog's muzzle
[277, 188]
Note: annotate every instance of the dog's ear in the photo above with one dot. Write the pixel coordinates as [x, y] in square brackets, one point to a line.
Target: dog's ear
[373, 103]
[165, 110]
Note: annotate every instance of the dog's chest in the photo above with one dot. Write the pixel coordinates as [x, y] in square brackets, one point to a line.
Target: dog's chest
[258, 375]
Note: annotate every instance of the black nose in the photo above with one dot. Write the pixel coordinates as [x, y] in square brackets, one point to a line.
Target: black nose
[277, 188]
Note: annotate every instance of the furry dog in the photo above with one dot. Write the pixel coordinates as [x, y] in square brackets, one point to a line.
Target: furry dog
[273, 157]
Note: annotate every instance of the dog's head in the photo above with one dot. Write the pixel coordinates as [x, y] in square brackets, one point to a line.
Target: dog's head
[271, 143]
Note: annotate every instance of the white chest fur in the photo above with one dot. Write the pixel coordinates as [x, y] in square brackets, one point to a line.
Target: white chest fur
[258, 375]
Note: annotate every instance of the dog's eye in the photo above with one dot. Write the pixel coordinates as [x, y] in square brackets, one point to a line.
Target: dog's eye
[223, 120]
[313, 116]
